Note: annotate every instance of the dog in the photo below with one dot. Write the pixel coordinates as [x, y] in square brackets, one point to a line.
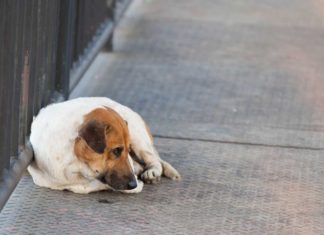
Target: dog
[92, 144]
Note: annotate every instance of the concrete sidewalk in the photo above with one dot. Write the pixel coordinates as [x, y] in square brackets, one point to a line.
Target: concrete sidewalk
[233, 92]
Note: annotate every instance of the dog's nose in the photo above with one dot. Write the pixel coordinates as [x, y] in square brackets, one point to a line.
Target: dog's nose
[132, 184]
[102, 179]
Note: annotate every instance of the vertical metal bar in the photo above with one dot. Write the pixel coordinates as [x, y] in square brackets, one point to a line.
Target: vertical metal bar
[6, 88]
[66, 45]
[79, 25]
[38, 61]
[33, 81]
[3, 162]
[51, 47]
[24, 69]
[111, 7]
[27, 54]
[10, 28]
[42, 26]
[16, 82]
[45, 53]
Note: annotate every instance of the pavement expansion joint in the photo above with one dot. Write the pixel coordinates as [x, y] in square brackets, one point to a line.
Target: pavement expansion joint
[238, 143]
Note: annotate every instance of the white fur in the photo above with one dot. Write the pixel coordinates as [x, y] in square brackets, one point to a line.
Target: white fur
[53, 133]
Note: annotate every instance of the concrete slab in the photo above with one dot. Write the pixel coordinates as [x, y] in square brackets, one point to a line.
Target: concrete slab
[226, 189]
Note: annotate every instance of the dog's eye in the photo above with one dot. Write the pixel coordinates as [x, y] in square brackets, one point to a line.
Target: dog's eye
[117, 151]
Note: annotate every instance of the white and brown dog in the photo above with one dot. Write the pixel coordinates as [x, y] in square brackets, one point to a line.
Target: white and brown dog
[91, 144]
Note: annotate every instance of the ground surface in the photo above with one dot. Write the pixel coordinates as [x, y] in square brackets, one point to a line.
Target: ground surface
[233, 92]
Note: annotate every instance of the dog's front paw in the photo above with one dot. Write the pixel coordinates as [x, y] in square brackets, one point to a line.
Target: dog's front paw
[152, 175]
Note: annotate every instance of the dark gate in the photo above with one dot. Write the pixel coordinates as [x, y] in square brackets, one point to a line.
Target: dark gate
[45, 47]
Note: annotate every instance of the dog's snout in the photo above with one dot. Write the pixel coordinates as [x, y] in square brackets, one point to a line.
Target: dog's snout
[118, 182]
[132, 184]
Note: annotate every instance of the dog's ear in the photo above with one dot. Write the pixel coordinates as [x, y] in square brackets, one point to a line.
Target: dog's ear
[93, 132]
[82, 149]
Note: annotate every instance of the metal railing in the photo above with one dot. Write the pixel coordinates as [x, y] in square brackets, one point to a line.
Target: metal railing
[45, 47]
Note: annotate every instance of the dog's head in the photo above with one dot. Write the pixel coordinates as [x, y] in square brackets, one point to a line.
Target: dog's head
[104, 144]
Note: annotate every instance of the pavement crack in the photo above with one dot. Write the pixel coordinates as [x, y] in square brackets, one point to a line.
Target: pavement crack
[239, 143]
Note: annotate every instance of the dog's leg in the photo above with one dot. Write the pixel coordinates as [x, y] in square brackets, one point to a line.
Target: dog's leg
[147, 156]
[154, 166]
[169, 171]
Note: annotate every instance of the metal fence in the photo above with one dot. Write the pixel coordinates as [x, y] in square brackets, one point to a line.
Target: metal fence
[45, 47]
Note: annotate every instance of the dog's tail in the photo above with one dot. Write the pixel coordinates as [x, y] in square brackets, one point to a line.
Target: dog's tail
[169, 171]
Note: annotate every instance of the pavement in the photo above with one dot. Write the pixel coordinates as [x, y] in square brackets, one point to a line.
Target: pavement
[233, 93]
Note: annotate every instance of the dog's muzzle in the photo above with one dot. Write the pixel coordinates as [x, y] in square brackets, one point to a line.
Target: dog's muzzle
[131, 184]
